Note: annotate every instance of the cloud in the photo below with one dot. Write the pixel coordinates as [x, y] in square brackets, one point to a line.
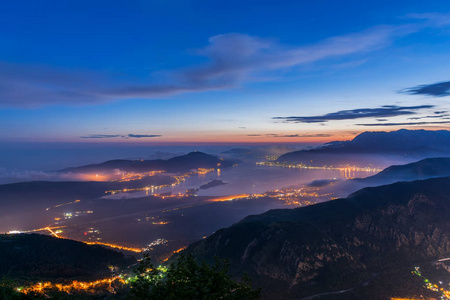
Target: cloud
[236, 58]
[101, 136]
[381, 120]
[384, 111]
[299, 135]
[11, 176]
[322, 182]
[232, 59]
[34, 86]
[440, 89]
[108, 136]
[432, 19]
[403, 124]
[138, 136]
[439, 116]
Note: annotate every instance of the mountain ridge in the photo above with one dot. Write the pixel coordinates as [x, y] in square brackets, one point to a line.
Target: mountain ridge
[338, 244]
[42, 257]
[192, 160]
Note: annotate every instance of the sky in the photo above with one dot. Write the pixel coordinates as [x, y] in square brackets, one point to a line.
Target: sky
[167, 72]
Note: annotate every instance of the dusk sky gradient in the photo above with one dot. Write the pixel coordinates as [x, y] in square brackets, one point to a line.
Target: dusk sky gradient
[162, 72]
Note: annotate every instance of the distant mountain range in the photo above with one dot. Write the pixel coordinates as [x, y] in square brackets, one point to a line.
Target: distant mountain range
[183, 163]
[360, 244]
[402, 144]
[423, 169]
[40, 257]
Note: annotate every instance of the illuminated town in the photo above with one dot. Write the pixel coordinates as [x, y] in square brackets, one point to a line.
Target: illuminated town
[289, 149]
[442, 288]
[348, 172]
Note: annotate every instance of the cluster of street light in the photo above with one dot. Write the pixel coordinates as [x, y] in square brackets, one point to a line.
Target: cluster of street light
[346, 171]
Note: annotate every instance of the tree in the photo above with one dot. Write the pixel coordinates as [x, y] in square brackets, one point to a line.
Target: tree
[187, 279]
[8, 291]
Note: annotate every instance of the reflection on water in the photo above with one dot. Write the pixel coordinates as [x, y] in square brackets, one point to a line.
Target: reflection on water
[248, 179]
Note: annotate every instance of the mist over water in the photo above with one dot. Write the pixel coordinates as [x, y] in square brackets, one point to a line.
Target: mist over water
[131, 218]
[29, 162]
[247, 178]
[51, 157]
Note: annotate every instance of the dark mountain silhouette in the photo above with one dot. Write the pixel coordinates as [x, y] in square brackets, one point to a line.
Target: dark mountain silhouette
[423, 169]
[193, 160]
[376, 233]
[401, 144]
[39, 257]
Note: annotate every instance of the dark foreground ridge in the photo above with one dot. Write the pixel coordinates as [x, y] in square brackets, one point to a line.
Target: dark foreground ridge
[37, 257]
[360, 244]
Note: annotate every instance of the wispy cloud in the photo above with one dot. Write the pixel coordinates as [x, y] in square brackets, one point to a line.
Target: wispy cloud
[232, 59]
[437, 116]
[292, 135]
[101, 136]
[404, 124]
[384, 111]
[10, 176]
[33, 86]
[432, 19]
[440, 89]
[109, 136]
[138, 136]
[300, 135]
[235, 58]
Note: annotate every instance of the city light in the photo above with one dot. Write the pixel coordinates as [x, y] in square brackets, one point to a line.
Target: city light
[92, 287]
[137, 250]
[348, 172]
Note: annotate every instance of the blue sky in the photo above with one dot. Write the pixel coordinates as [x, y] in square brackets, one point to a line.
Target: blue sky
[221, 71]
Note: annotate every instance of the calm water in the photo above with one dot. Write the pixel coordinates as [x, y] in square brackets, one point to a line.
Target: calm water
[248, 179]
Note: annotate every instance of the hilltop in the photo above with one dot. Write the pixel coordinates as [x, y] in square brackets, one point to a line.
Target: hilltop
[183, 163]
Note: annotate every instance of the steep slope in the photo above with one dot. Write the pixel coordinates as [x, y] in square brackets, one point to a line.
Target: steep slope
[339, 244]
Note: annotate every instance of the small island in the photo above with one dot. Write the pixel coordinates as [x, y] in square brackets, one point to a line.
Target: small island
[212, 183]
